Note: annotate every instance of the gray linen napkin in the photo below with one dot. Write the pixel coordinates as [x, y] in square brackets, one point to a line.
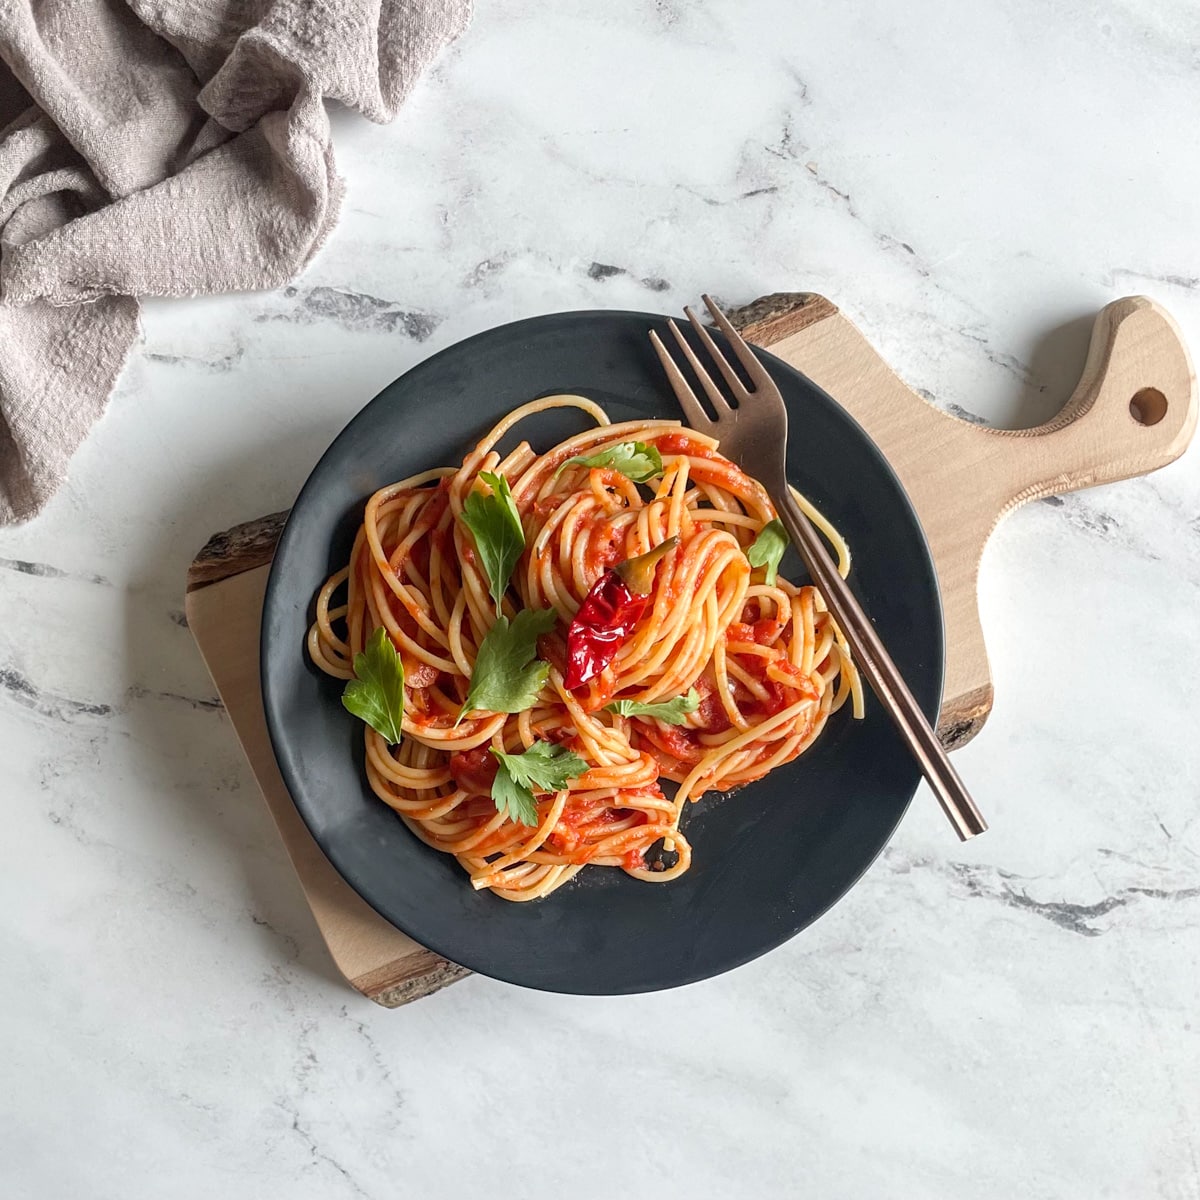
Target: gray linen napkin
[165, 148]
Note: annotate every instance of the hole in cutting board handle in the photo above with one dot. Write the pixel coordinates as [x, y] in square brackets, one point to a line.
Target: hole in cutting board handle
[1148, 406]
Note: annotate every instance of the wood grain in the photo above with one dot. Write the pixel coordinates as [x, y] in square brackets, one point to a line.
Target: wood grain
[232, 551]
[380, 961]
[961, 478]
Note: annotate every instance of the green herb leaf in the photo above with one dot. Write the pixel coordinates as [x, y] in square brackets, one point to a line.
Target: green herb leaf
[767, 549]
[544, 767]
[508, 675]
[376, 694]
[672, 712]
[496, 526]
[635, 460]
[511, 798]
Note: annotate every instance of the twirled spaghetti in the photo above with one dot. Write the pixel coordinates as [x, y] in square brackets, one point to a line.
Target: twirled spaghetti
[766, 660]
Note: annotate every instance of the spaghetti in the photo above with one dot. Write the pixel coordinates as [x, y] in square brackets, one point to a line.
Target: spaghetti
[766, 661]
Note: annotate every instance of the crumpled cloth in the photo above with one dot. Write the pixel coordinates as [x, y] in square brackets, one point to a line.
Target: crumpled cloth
[165, 148]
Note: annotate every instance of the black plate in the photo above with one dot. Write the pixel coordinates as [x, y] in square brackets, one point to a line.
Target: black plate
[768, 859]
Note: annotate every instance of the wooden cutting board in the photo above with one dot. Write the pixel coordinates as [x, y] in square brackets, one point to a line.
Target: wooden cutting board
[1133, 411]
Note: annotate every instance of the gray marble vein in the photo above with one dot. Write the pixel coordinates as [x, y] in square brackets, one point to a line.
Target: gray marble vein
[46, 571]
[356, 311]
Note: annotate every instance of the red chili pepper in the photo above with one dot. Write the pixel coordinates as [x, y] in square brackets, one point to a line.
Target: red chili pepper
[609, 613]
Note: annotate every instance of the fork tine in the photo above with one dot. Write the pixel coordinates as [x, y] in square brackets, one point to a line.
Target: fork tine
[692, 408]
[755, 369]
[719, 403]
[735, 384]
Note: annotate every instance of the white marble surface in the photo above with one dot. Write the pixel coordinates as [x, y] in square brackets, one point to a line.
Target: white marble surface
[1015, 1017]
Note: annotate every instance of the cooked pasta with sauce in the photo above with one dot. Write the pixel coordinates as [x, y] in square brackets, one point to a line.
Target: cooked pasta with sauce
[537, 641]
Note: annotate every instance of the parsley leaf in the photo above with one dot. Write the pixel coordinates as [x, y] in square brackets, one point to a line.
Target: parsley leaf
[508, 675]
[376, 694]
[544, 767]
[635, 460]
[512, 799]
[670, 711]
[767, 549]
[496, 525]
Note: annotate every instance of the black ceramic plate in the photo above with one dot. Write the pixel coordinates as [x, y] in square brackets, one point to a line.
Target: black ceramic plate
[770, 858]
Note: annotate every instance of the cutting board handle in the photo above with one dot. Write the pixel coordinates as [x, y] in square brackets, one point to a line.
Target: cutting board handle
[962, 478]
[1133, 411]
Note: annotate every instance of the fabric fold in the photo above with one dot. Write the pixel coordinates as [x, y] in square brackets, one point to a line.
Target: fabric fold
[165, 148]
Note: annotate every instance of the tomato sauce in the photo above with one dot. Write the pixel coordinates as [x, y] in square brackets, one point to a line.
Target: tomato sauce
[673, 741]
[680, 443]
[605, 548]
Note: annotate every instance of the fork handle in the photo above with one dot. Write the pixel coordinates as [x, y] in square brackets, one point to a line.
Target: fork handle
[881, 672]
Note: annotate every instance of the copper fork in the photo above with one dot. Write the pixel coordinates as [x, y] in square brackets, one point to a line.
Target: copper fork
[753, 433]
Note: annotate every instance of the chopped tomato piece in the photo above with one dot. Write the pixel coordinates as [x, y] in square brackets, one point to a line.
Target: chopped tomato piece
[763, 632]
[418, 673]
[474, 770]
[711, 715]
[767, 631]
